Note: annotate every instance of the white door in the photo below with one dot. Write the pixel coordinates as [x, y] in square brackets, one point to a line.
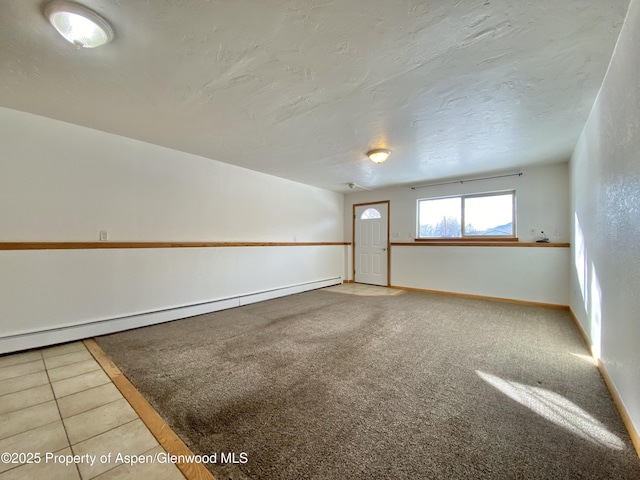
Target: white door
[371, 244]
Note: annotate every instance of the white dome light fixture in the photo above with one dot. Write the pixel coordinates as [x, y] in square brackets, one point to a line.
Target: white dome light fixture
[78, 24]
[378, 155]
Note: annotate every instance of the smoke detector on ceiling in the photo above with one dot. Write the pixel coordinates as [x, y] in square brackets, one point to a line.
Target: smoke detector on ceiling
[353, 186]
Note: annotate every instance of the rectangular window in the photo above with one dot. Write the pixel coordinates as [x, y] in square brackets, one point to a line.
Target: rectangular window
[483, 215]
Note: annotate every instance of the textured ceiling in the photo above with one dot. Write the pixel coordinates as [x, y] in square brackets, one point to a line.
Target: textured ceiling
[302, 89]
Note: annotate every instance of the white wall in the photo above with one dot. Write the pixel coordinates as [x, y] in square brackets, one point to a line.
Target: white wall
[605, 180]
[525, 274]
[519, 273]
[62, 182]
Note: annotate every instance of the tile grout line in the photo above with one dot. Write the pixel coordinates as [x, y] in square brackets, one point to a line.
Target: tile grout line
[64, 426]
[31, 429]
[21, 391]
[88, 389]
[23, 464]
[106, 431]
[76, 376]
[115, 465]
[7, 355]
[92, 409]
[165, 436]
[62, 347]
[55, 399]
[19, 365]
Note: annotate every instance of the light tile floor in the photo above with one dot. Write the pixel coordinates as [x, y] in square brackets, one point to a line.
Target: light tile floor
[364, 290]
[59, 401]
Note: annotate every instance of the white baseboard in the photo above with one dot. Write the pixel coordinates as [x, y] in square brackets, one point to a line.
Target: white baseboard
[52, 336]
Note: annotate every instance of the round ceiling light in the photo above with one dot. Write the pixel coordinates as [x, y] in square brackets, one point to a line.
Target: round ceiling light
[378, 155]
[79, 25]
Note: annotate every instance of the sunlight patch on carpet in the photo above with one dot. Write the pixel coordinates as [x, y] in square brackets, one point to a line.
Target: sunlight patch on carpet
[556, 409]
[587, 358]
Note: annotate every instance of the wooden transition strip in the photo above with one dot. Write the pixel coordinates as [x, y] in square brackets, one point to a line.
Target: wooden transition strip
[626, 419]
[482, 297]
[476, 243]
[154, 422]
[124, 245]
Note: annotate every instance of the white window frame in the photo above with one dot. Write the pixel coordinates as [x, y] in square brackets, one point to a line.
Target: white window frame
[464, 235]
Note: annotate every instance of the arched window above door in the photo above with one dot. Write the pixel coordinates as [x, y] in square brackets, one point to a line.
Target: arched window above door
[370, 213]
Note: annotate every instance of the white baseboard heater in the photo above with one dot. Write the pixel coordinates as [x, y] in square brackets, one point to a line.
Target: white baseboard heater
[52, 336]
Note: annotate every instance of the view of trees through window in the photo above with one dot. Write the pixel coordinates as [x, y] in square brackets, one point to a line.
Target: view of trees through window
[440, 218]
[490, 215]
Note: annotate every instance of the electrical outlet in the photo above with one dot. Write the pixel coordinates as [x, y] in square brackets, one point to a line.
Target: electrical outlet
[556, 232]
[104, 236]
[532, 232]
[395, 235]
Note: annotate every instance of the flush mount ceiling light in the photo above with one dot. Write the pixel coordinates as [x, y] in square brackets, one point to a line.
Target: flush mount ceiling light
[378, 155]
[79, 25]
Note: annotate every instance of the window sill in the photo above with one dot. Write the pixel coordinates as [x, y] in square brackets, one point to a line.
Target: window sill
[513, 242]
[466, 240]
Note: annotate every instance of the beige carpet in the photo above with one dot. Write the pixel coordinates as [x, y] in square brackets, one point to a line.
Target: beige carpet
[364, 290]
[324, 385]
